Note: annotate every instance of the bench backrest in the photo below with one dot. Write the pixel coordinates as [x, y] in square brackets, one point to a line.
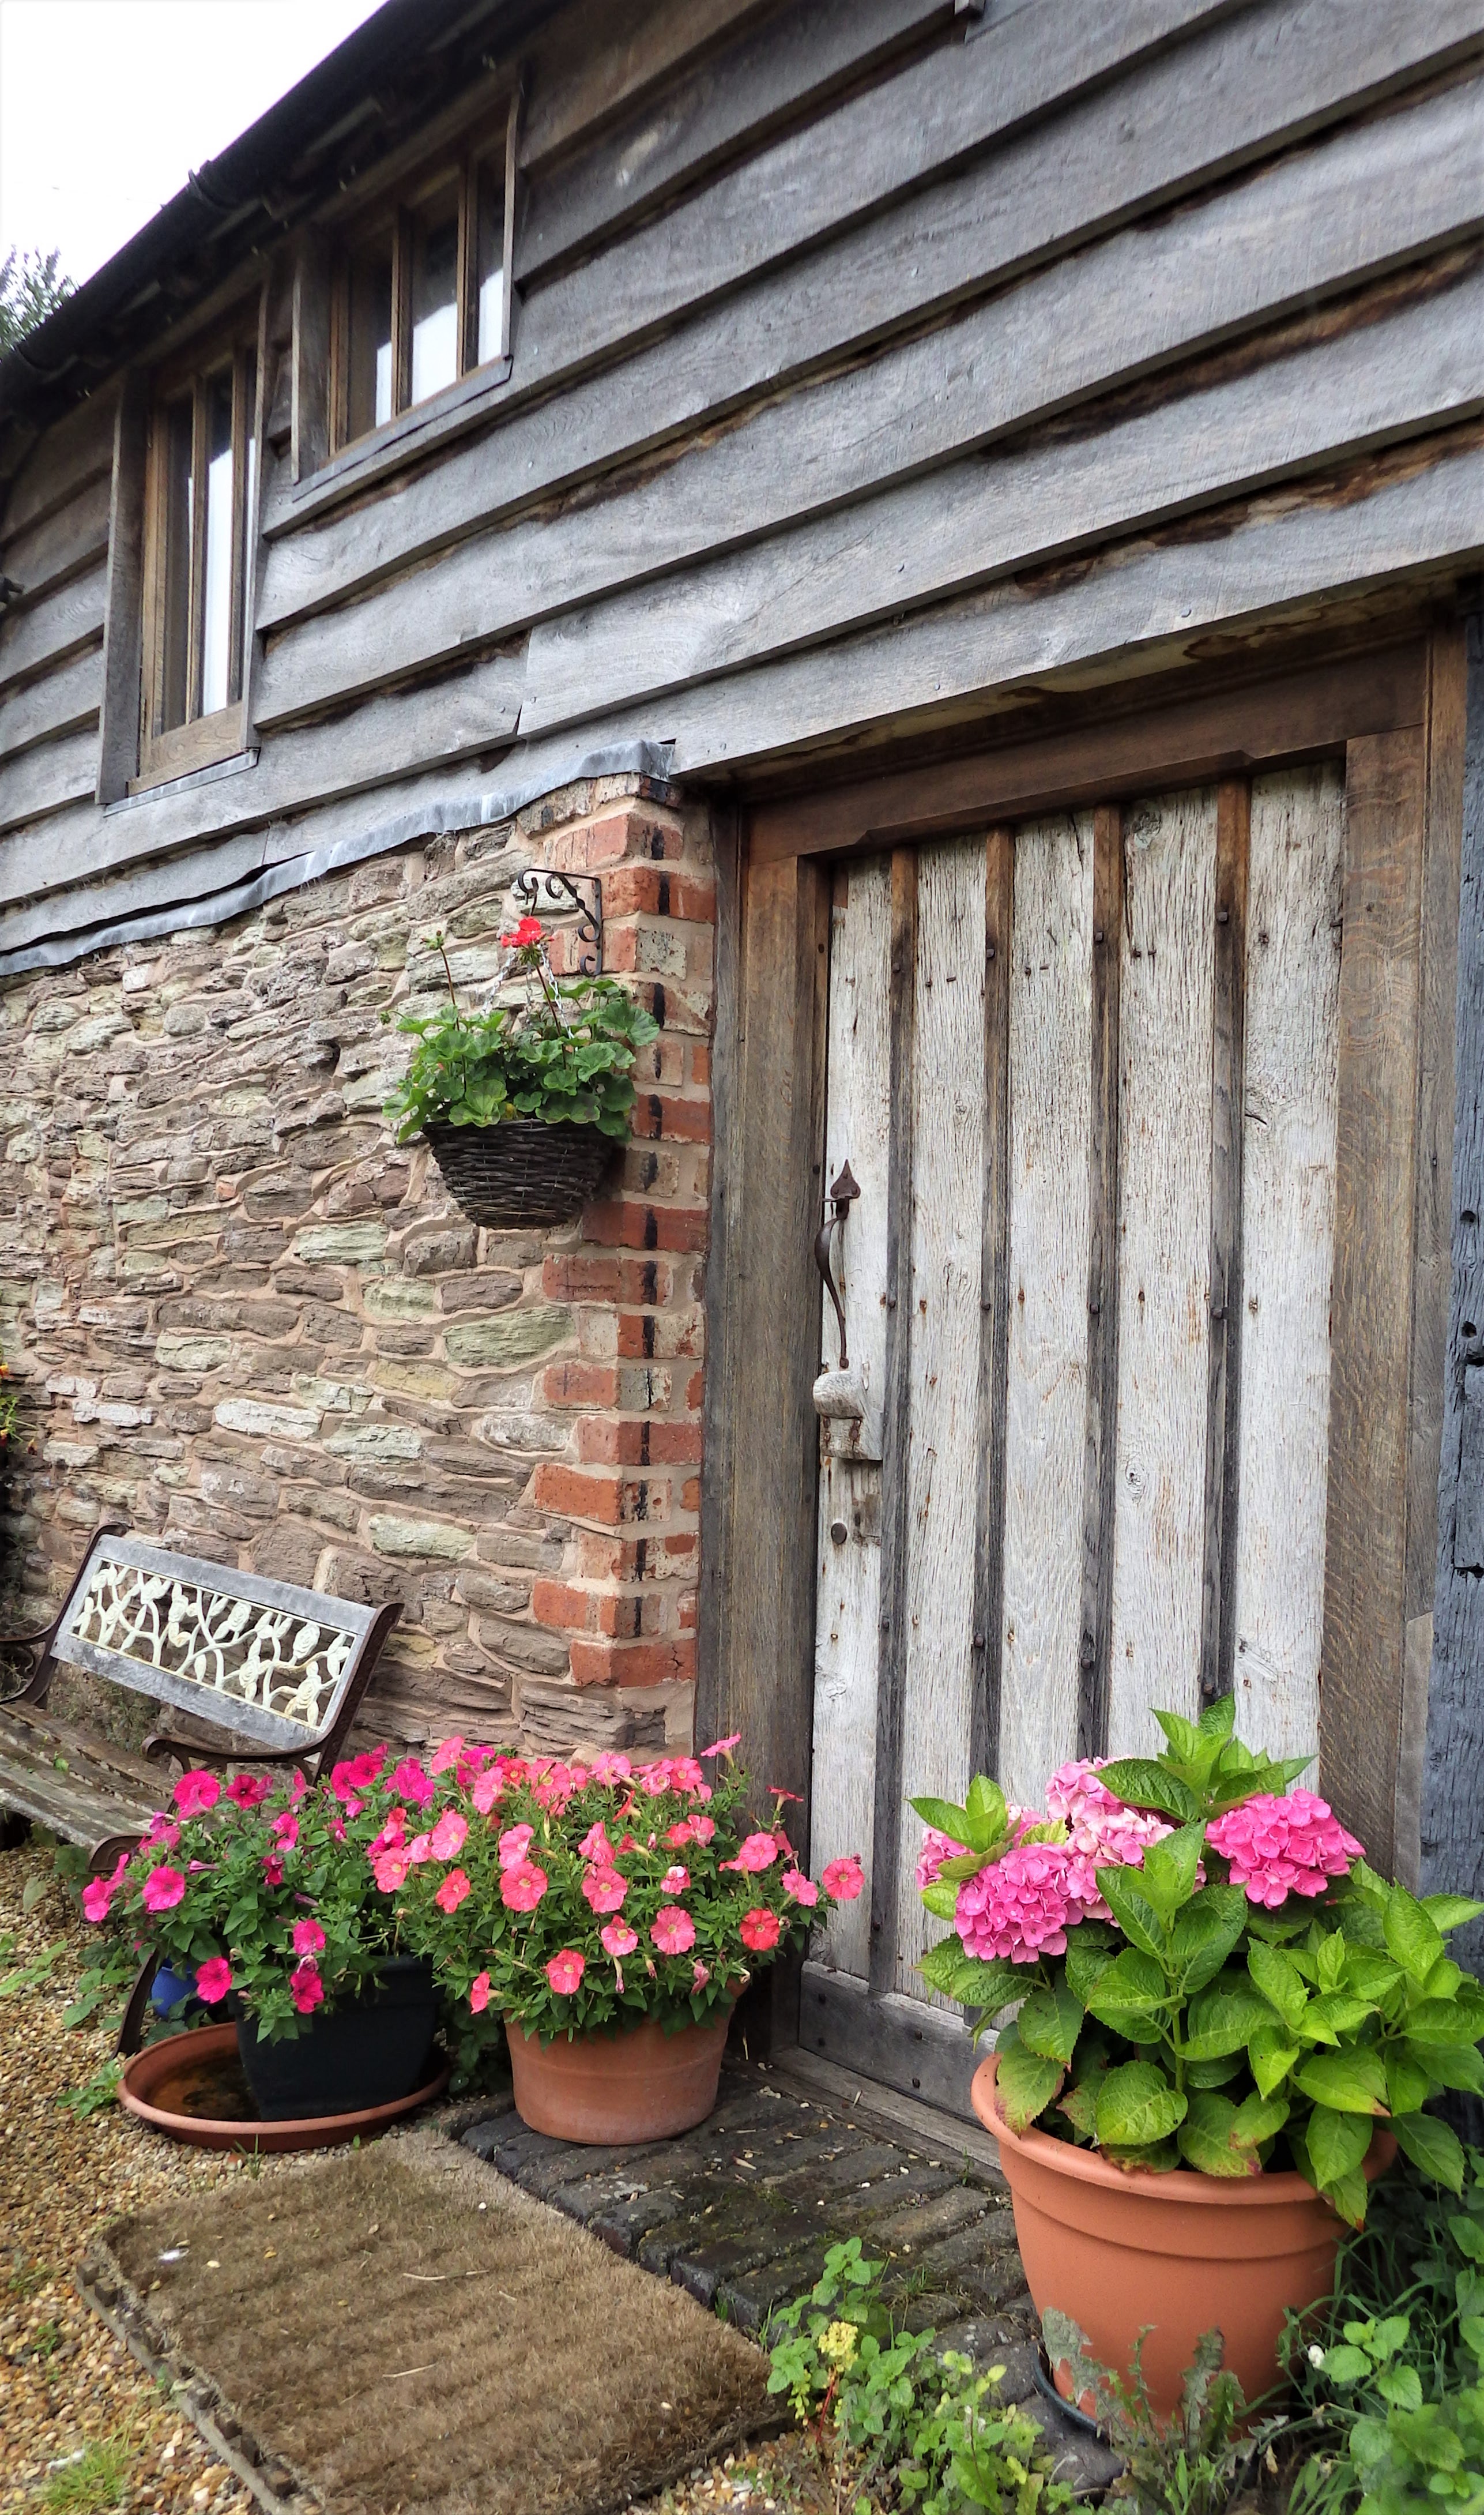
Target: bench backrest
[259, 1657]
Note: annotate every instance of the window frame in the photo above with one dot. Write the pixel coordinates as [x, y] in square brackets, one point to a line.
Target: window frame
[487, 146]
[199, 741]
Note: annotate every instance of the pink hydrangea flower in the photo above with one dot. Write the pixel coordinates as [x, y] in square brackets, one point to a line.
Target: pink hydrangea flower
[565, 1970]
[308, 1938]
[305, 1990]
[448, 1835]
[673, 1930]
[195, 1793]
[1021, 1906]
[596, 1846]
[163, 1889]
[842, 1880]
[285, 1830]
[479, 1993]
[1278, 1847]
[96, 1897]
[410, 1782]
[1097, 1824]
[605, 1889]
[214, 1979]
[802, 1889]
[445, 1755]
[513, 1844]
[675, 1879]
[937, 1848]
[249, 1789]
[523, 1886]
[758, 1852]
[759, 1928]
[452, 1891]
[618, 1938]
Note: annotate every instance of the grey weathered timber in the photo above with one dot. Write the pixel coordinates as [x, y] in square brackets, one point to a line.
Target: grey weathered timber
[474, 711]
[970, 521]
[49, 776]
[123, 634]
[73, 537]
[47, 632]
[1452, 1839]
[1228, 1106]
[74, 452]
[1284, 236]
[987, 1640]
[1102, 1286]
[58, 702]
[765, 76]
[896, 1421]
[580, 74]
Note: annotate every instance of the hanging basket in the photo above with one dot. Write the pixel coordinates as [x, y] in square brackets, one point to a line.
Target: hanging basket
[522, 1171]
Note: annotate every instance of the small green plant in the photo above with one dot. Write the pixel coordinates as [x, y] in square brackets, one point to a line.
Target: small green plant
[564, 1055]
[916, 2430]
[1193, 2465]
[29, 1977]
[95, 2094]
[94, 2478]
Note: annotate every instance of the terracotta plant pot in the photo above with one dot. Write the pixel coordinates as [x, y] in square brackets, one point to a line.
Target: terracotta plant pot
[190, 2086]
[607, 2090]
[1180, 2252]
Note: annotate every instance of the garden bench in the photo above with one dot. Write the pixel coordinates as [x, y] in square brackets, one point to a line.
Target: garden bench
[277, 1671]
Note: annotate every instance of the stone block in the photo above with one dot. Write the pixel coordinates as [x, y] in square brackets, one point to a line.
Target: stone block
[510, 1338]
[268, 1422]
[376, 1439]
[425, 1540]
[175, 1352]
[340, 1244]
[394, 1296]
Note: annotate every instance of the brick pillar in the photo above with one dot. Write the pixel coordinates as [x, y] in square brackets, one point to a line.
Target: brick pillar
[629, 1487]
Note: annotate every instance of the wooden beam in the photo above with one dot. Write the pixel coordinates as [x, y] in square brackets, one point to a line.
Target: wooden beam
[56, 702]
[896, 1424]
[993, 1306]
[49, 632]
[310, 437]
[124, 600]
[1224, 1395]
[1371, 1314]
[1098, 1493]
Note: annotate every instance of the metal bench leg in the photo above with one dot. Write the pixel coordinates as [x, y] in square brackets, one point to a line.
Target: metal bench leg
[131, 2034]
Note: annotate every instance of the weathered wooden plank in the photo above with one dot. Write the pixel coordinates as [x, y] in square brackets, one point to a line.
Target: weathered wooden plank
[970, 521]
[48, 776]
[1227, 1051]
[944, 1435]
[1320, 219]
[75, 451]
[1371, 1310]
[124, 608]
[57, 703]
[858, 1130]
[472, 712]
[1163, 1270]
[73, 538]
[152, 889]
[733, 100]
[587, 69]
[1104, 1255]
[985, 1666]
[1451, 1841]
[897, 1480]
[47, 632]
[1288, 1176]
[1051, 1058]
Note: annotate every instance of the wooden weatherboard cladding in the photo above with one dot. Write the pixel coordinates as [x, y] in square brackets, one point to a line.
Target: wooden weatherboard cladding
[1249, 987]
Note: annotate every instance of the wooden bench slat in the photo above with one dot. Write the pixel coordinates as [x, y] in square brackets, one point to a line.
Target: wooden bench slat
[84, 1803]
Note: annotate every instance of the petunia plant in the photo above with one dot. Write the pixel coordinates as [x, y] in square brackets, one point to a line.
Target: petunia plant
[571, 1897]
[1208, 1973]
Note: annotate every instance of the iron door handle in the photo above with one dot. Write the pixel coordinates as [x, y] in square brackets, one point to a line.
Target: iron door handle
[842, 1195]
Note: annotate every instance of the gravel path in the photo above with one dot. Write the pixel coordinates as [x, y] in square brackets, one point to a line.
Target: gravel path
[69, 2390]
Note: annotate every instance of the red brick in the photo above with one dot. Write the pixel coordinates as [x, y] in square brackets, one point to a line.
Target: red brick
[569, 1275]
[641, 1662]
[658, 1114]
[632, 834]
[695, 1391]
[653, 891]
[591, 1496]
[618, 1441]
[700, 1063]
[628, 1223]
[656, 1336]
[690, 1494]
[580, 1384]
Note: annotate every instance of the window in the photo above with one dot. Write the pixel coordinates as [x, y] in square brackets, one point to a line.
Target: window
[202, 479]
[420, 295]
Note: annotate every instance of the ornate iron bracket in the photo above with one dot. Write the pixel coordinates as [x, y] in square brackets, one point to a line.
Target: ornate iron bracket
[540, 892]
[841, 1197]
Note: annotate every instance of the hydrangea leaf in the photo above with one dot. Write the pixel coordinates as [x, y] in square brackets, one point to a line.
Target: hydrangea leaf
[1141, 1783]
[1131, 1986]
[1138, 2107]
[1270, 2055]
[1169, 1867]
[1412, 1937]
[1050, 2021]
[1135, 1914]
[1224, 2017]
[1205, 2140]
[1433, 2148]
[1450, 1912]
[1024, 2081]
[1336, 2143]
[1408, 2081]
[1280, 1982]
[941, 1898]
[1205, 1934]
[1346, 2083]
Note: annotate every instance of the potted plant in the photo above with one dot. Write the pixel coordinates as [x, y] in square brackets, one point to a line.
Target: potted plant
[1220, 2007]
[522, 1104]
[611, 1914]
[259, 1901]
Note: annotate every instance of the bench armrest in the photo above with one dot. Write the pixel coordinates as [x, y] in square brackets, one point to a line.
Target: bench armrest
[38, 1683]
[158, 1748]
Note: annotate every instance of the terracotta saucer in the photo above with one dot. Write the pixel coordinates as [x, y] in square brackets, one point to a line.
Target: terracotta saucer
[166, 2080]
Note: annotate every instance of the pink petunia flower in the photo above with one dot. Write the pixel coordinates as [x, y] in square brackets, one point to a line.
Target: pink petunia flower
[680, 1834]
[596, 1846]
[305, 1990]
[802, 1889]
[618, 1938]
[392, 1869]
[195, 1793]
[1277, 1847]
[685, 1774]
[724, 1745]
[272, 1869]
[286, 1831]
[673, 1930]
[702, 1827]
[675, 1881]
[308, 1938]
[451, 1894]
[160, 1830]
[609, 1768]
[163, 1889]
[523, 1886]
[699, 1976]
[214, 1979]
[654, 1780]
[759, 1928]
[447, 1754]
[758, 1852]
[605, 1889]
[488, 1788]
[479, 1993]
[842, 1880]
[448, 1835]
[565, 1970]
[410, 1782]
[513, 1844]
[249, 1789]
[96, 1897]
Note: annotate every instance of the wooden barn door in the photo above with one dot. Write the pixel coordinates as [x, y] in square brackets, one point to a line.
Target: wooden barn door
[1085, 1073]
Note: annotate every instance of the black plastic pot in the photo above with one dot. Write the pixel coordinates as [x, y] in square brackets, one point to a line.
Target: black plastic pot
[369, 2051]
[521, 1173]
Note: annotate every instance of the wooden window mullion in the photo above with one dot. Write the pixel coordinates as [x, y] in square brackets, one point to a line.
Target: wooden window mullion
[197, 549]
[468, 265]
[241, 425]
[401, 312]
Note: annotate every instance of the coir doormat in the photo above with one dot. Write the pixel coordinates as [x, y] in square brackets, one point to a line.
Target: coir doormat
[363, 2336]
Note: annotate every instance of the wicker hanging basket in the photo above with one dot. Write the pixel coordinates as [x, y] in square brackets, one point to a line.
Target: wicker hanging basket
[520, 1172]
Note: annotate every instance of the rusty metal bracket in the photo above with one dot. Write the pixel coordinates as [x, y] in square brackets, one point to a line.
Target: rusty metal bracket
[838, 1200]
[540, 892]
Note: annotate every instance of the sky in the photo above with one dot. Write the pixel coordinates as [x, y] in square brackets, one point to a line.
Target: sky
[107, 106]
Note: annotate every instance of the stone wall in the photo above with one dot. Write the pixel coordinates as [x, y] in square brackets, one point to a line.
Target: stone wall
[248, 1324]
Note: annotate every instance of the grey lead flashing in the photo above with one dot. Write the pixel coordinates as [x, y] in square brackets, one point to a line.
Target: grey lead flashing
[640, 758]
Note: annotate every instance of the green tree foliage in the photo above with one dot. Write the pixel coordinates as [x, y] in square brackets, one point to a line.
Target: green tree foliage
[33, 285]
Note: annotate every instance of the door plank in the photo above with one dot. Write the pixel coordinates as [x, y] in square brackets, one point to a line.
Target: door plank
[1098, 1484]
[1227, 1057]
[896, 1527]
[944, 1438]
[1164, 1289]
[1287, 1165]
[858, 1131]
[1050, 1048]
[994, 1292]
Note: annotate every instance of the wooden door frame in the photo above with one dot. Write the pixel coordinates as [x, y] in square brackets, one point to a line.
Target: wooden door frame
[1396, 713]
